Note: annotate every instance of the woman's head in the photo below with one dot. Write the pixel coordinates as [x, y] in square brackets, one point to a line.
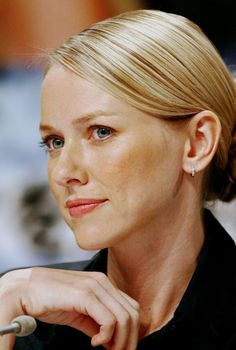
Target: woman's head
[114, 170]
[163, 65]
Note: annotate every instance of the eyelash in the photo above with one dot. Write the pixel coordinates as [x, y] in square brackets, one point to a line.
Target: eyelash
[45, 142]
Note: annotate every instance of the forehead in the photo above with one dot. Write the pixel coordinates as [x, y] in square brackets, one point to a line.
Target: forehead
[66, 85]
[65, 95]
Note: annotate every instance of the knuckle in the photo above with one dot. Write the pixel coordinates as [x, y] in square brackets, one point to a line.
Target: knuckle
[100, 276]
[136, 305]
[90, 283]
[86, 292]
[125, 319]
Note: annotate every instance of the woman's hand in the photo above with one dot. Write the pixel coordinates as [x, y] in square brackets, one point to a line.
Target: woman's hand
[83, 300]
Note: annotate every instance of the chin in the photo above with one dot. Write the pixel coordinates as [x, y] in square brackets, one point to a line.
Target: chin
[87, 244]
[97, 235]
[89, 238]
[96, 239]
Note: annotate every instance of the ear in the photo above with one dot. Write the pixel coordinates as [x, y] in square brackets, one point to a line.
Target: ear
[203, 133]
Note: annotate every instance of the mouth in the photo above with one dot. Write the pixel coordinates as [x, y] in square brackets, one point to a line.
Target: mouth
[83, 206]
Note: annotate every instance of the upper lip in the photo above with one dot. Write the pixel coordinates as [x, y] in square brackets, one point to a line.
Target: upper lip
[83, 201]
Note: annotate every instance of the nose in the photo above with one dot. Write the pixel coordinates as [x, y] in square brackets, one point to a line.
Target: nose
[68, 167]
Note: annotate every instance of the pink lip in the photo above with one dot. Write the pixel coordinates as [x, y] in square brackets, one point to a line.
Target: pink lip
[79, 207]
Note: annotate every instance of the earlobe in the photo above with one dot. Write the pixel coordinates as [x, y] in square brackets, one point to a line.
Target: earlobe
[203, 133]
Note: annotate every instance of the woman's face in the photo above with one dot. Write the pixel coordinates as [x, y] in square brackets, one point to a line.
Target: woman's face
[114, 170]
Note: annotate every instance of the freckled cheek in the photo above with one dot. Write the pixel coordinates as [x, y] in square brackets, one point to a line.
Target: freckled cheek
[121, 169]
[110, 168]
[54, 187]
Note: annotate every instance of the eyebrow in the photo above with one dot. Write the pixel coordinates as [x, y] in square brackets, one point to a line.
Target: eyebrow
[82, 119]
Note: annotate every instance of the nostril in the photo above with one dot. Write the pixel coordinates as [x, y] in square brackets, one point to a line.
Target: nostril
[66, 170]
[72, 182]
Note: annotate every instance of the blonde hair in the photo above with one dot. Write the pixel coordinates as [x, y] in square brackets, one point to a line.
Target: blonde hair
[162, 64]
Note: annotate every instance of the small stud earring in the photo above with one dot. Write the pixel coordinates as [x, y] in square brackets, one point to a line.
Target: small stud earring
[193, 171]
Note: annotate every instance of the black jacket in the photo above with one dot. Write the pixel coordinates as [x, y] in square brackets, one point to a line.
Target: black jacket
[204, 320]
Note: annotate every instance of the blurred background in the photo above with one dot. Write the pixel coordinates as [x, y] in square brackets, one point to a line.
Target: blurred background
[31, 230]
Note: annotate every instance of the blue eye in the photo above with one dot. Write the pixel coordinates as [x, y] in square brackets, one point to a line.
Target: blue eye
[51, 143]
[102, 132]
[56, 143]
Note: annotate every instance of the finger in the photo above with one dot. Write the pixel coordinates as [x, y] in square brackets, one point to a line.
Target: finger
[118, 294]
[127, 330]
[130, 332]
[127, 320]
[120, 328]
[133, 303]
[101, 314]
[126, 311]
[135, 322]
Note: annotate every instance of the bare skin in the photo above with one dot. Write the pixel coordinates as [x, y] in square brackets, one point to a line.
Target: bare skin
[85, 301]
[150, 218]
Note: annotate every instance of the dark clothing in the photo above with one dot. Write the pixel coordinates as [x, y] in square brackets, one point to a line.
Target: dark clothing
[204, 320]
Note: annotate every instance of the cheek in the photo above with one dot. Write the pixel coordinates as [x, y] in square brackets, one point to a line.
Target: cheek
[55, 189]
[142, 174]
[129, 167]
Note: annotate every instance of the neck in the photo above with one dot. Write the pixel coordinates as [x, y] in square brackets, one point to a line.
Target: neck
[156, 269]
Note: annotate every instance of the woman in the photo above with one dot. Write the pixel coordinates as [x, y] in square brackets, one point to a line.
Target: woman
[138, 117]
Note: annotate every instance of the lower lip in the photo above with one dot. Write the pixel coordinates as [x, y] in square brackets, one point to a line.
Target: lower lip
[84, 209]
